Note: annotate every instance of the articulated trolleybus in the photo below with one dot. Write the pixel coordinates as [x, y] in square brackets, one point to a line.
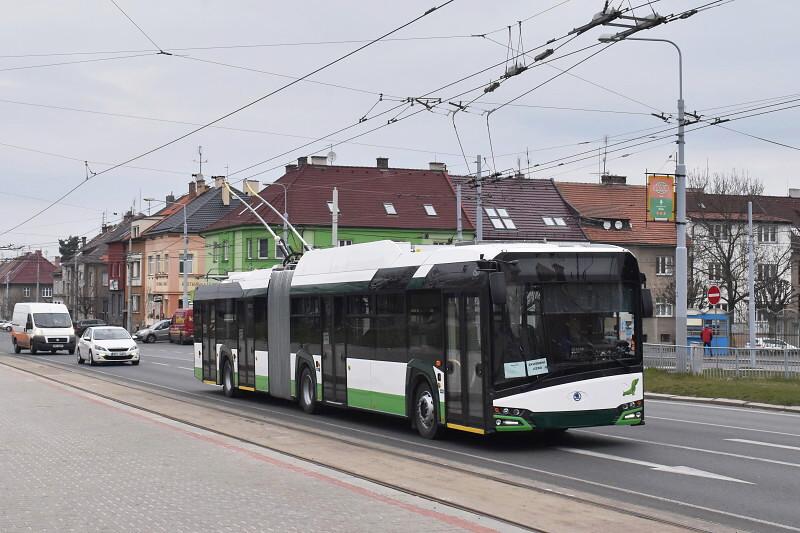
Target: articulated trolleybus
[481, 338]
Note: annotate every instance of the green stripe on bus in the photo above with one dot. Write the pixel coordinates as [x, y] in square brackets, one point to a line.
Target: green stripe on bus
[262, 383]
[377, 401]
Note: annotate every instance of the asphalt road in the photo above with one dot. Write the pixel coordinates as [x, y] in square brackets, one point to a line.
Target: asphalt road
[738, 467]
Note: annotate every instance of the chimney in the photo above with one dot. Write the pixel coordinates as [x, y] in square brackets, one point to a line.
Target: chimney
[251, 187]
[435, 165]
[83, 242]
[290, 168]
[794, 193]
[382, 162]
[104, 228]
[319, 160]
[170, 198]
[612, 179]
[519, 175]
[218, 181]
[301, 161]
[193, 188]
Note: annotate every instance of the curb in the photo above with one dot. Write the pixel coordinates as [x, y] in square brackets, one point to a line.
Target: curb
[724, 401]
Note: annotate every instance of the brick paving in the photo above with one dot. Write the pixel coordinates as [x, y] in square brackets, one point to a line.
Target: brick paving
[73, 462]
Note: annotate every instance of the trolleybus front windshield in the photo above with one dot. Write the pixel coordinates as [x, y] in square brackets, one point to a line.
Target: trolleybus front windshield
[552, 329]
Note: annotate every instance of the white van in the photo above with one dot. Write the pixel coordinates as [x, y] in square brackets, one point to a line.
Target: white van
[42, 327]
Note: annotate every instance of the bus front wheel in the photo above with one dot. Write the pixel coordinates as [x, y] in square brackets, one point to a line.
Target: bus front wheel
[227, 379]
[426, 417]
[307, 395]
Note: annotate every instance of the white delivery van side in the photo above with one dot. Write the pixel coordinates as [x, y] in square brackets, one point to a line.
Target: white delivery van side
[42, 327]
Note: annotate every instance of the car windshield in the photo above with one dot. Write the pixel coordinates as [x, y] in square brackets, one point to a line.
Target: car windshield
[562, 328]
[52, 320]
[110, 334]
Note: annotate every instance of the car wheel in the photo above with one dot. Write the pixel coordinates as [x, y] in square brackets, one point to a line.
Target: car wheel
[227, 379]
[34, 351]
[52, 352]
[150, 339]
[307, 393]
[72, 351]
[426, 417]
[80, 359]
[17, 349]
[135, 363]
[91, 359]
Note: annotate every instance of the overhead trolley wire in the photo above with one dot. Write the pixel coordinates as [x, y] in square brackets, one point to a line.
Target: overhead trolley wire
[235, 111]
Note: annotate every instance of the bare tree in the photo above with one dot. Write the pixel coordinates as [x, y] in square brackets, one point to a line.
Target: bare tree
[719, 233]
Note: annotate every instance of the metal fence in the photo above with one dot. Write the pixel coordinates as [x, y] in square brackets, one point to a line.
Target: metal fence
[724, 362]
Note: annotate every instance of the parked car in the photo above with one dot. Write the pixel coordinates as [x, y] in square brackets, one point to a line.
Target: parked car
[81, 325]
[5, 325]
[772, 344]
[181, 329]
[42, 327]
[157, 332]
[101, 344]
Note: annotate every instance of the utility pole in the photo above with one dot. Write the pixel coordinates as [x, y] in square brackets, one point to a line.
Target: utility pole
[478, 207]
[185, 261]
[37, 275]
[75, 284]
[751, 284]
[335, 219]
[459, 229]
[129, 264]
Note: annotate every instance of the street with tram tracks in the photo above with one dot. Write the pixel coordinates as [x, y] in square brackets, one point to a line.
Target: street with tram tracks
[737, 467]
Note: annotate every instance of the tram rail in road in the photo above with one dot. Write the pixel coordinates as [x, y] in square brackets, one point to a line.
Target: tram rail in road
[677, 435]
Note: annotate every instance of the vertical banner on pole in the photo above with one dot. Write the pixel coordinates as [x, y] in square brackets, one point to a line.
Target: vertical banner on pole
[660, 198]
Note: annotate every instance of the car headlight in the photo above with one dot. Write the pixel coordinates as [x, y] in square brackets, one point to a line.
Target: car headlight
[133, 350]
[100, 349]
[37, 332]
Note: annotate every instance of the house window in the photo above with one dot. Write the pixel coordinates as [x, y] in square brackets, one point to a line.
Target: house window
[663, 308]
[762, 315]
[215, 253]
[720, 231]
[430, 210]
[136, 267]
[135, 231]
[189, 264]
[27, 292]
[666, 338]
[767, 233]
[559, 221]
[135, 303]
[47, 292]
[263, 248]
[665, 265]
[166, 264]
[715, 271]
[345, 242]
[150, 266]
[389, 208]
[330, 208]
[500, 218]
[766, 271]
[249, 248]
[278, 252]
[224, 250]
[104, 278]
[158, 264]
[548, 221]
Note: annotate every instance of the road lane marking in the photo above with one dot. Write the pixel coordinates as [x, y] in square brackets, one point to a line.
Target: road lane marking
[770, 444]
[685, 470]
[416, 444]
[754, 410]
[651, 417]
[154, 363]
[690, 448]
[186, 368]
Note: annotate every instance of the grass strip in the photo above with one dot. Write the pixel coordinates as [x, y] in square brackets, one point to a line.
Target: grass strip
[764, 390]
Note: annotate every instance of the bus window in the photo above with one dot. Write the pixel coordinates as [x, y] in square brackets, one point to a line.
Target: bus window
[391, 328]
[361, 330]
[425, 325]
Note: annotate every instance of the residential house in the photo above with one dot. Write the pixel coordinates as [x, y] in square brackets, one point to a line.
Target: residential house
[374, 203]
[85, 278]
[157, 252]
[613, 212]
[26, 278]
[520, 209]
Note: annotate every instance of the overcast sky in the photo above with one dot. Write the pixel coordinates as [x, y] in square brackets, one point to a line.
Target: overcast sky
[55, 117]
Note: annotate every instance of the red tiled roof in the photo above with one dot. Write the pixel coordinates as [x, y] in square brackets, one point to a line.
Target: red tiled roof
[617, 202]
[527, 202]
[22, 270]
[734, 207]
[362, 193]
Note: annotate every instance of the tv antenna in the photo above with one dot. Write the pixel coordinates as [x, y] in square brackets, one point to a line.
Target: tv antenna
[331, 155]
[200, 161]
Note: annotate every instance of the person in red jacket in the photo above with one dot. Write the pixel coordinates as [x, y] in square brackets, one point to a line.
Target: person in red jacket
[707, 335]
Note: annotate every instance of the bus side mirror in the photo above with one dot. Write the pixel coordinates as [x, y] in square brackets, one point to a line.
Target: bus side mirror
[647, 303]
[497, 287]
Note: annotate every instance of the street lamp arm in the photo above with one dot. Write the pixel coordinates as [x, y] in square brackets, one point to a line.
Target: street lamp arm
[680, 58]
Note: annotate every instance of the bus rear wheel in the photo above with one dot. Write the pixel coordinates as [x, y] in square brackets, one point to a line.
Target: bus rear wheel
[227, 379]
[307, 395]
[426, 417]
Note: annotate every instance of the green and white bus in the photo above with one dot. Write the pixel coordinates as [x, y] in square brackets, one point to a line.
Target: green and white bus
[480, 338]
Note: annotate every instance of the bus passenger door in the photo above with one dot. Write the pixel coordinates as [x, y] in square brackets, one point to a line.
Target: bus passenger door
[465, 393]
[334, 361]
[247, 355]
[209, 342]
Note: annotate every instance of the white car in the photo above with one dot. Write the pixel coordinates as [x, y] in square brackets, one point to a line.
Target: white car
[105, 344]
[5, 325]
[772, 344]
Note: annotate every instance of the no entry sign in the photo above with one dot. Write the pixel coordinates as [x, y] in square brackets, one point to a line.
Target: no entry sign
[713, 295]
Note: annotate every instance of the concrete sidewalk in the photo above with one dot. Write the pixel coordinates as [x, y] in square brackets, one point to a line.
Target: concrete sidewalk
[70, 461]
[723, 401]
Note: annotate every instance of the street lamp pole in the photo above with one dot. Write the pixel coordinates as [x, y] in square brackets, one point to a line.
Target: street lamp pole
[681, 259]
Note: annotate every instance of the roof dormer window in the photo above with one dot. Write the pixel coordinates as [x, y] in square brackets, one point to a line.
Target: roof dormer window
[500, 218]
[430, 210]
[389, 208]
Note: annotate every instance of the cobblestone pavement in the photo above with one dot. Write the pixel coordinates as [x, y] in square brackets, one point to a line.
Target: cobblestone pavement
[70, 461]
